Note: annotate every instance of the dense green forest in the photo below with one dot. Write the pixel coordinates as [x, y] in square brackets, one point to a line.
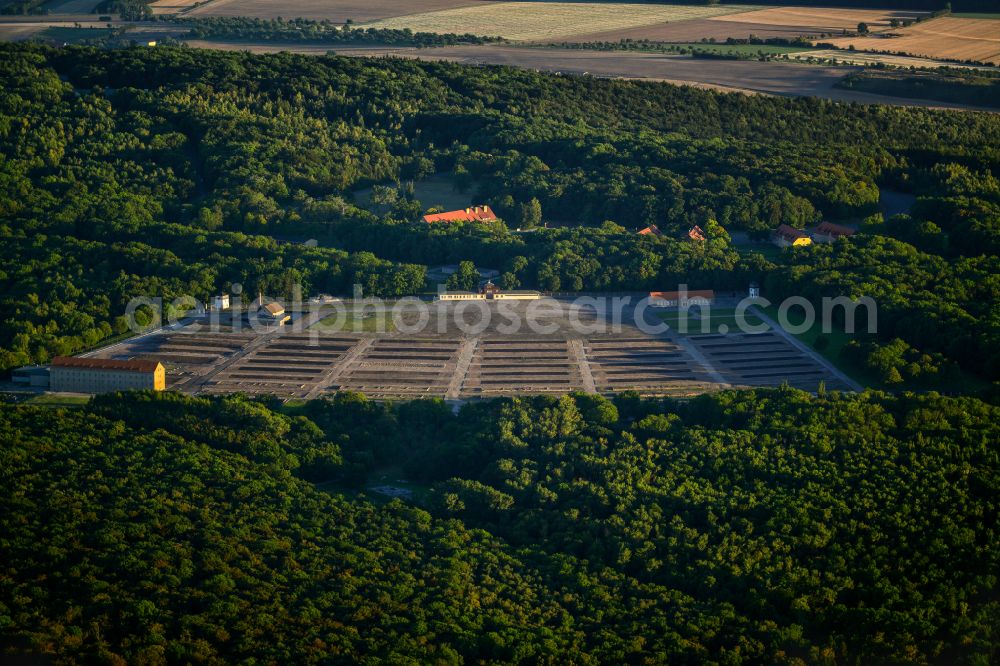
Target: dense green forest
[180, 171]
[742, 527]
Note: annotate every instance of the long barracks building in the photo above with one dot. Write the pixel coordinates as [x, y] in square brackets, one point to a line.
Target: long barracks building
[99, 375]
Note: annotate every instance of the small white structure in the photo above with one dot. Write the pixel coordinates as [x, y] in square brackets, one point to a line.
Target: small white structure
[754, 291]
[460, 296]
[220, 302]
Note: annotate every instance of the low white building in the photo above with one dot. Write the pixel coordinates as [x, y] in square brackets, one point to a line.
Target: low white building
[489, 292]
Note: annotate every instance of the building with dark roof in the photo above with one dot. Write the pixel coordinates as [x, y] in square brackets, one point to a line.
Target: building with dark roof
[666, 299]
[827, 232]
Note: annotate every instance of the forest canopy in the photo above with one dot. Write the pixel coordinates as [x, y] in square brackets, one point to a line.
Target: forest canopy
[735, 528]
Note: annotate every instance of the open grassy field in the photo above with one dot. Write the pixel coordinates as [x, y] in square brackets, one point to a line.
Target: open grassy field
[337, 11]
[72, 35]
[71, 6]
[437, 190]
[533, 21]
[58, 400]
[946, 37]
[715, 320]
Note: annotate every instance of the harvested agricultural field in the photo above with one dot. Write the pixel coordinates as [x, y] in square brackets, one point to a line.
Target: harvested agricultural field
[787, 22]
[692, 31]
[821, 19]
[946, 37]
[16, 32]
[534, 21]
[337, 11]
[167, 7]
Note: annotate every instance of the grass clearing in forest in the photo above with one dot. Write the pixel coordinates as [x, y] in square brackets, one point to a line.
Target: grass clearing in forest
[436, 190]
[57, 400]
[531, 21]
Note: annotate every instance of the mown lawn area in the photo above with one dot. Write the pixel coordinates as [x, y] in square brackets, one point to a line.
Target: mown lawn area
[696, 322]
[57, 400]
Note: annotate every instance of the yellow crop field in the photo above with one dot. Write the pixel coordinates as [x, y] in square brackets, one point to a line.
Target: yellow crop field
[945, 37]
[536, 21]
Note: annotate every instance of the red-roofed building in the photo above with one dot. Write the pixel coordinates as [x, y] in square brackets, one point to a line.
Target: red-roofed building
[786, 236]
[696, 233]
[666, 299]
[473, 214]
[100, 375]
[651, 230]
[827, 232]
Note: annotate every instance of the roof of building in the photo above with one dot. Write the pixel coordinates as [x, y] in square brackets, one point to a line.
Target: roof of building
[274, 308]
[134, 365]
[789, 233]
[651, 230]
[472, 214]
[696, 233]
[831, 229]
[675, 295]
